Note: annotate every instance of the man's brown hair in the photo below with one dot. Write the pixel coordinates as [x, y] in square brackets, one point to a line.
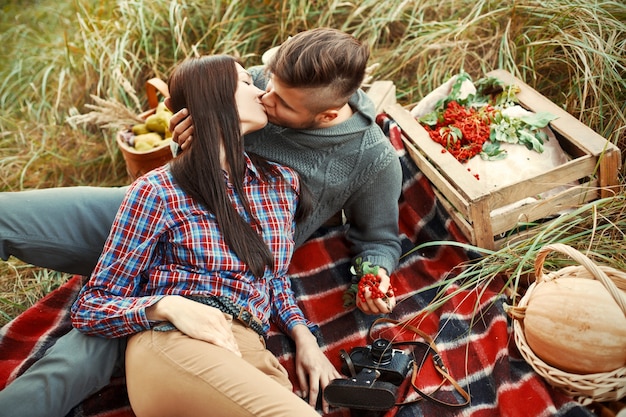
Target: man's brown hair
[324, 59]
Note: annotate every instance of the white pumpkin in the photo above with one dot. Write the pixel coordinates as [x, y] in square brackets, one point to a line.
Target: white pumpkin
[574, 324]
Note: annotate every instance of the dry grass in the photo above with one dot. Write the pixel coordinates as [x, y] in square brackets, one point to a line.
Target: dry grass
[59, 54]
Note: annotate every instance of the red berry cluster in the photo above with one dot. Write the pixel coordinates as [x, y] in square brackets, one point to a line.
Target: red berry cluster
[371, 282]
[462, 131]
[365, 277]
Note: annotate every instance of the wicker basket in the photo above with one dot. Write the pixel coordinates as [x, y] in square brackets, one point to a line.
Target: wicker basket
[138, 163]
[607, 386]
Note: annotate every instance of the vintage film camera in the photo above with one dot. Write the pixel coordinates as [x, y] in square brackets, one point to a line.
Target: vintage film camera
[376, 372]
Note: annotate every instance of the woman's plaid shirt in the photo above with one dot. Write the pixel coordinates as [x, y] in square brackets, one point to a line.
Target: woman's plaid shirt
[162, 242]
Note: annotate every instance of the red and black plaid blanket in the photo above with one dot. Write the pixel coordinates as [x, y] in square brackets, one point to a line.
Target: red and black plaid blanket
[471, 331]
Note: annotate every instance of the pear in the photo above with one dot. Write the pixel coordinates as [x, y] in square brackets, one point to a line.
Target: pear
[148, 141]
[140, 129]
[161, 107]
[165, 114]
[156, 123]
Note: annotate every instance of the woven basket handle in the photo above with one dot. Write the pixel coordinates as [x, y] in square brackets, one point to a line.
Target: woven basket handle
[154, 85]
[593, 269]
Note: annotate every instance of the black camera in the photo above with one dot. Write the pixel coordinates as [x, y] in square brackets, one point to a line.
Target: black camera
[393, 364]
[376, 372]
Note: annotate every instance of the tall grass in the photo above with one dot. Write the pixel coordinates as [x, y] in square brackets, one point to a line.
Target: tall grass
[57, 54]
[596, 229]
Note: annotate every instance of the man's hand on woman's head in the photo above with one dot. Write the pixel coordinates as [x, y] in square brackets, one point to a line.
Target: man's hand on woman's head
[181, 126]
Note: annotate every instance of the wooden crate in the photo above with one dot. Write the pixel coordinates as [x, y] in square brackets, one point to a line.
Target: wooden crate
[383, 94]
[594, 164]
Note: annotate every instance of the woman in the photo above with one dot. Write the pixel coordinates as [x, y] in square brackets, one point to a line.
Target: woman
[196, 262]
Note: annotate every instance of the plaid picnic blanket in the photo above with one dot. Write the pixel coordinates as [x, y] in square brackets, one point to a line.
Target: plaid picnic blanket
[471, 330]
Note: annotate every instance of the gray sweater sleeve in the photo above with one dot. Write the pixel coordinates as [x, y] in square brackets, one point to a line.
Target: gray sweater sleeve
[372, 215]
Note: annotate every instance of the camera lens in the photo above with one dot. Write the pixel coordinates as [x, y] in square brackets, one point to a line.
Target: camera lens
[381, 351]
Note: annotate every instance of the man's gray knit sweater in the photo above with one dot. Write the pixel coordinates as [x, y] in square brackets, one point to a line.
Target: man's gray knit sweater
[350, 166]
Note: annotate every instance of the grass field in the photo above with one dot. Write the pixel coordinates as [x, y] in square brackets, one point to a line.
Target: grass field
[58, 54]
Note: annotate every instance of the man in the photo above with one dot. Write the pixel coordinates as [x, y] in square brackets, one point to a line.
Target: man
[321, 124]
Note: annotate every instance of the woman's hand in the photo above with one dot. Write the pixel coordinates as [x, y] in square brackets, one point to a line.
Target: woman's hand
[181, 126]
[196, 320]
[313, 368]
[378, 305]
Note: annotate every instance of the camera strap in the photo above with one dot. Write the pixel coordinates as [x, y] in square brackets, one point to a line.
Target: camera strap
[437, 361]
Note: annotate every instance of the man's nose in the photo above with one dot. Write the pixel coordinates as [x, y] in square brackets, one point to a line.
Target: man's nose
[267, 99]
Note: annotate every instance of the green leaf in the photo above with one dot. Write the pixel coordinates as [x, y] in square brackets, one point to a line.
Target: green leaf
[531, 141]
[543, 136]
[361, 268]
[450, 134]
[349, 296]
[429, 119]
[538, 120]
[492, 152]
[368, 268]
[456, 133]
[496, 157]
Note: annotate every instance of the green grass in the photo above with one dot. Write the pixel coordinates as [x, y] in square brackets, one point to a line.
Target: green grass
[58, 54]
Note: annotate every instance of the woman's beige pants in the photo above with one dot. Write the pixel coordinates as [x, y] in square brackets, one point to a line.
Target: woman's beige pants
[169, 374]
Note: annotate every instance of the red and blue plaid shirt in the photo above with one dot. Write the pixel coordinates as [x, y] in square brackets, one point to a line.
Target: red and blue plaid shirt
[162, 242]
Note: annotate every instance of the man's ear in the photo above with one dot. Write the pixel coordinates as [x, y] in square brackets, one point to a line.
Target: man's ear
[327, 116]
[168, 103]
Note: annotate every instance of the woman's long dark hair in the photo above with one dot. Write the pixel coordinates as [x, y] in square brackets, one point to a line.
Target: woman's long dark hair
[206, 86]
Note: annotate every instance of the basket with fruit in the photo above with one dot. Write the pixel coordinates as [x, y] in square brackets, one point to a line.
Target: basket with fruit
[146, 145]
